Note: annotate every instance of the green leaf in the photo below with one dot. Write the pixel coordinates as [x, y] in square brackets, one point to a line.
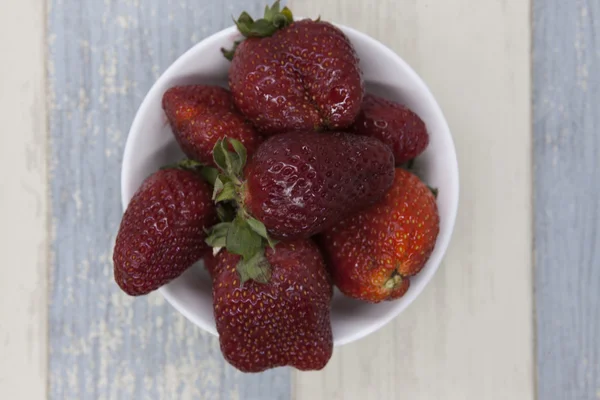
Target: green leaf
[259, 228]
[191, 165]
[288, 14]
[220, 155]
[256, 268]
[226, 160]
[230, 53]
[270, 12]
[262, 28]
[245, 18]
[242, 240]
[210, 174]
[228, 192]
[186, 163]
[280, 21]
[216, 241]
[240, 150]
[244, 23]
[233, 164]
[217, 235]
[243, 28]
[220, 229]
[219, 185]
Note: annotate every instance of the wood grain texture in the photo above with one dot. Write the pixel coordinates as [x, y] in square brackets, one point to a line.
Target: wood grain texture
[567, 197]
[103, 58]
[23, 201]
[469, 336]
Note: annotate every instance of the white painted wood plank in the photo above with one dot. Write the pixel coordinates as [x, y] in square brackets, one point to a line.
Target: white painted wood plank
[23, 201]
[470, 334]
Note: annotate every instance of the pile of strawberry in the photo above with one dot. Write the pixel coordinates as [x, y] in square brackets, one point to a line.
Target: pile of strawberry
[293, 183]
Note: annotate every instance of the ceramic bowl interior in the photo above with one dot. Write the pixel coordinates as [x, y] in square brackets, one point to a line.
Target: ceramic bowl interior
[151, 145]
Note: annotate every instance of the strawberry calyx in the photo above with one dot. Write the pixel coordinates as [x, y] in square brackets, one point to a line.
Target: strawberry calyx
[229, 53]
[274, 19]
[186, 164]
[393, 281]
[208, 173]
[239, 232]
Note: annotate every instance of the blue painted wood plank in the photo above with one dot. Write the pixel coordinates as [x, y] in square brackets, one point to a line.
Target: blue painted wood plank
[566, 61]
[103, 57]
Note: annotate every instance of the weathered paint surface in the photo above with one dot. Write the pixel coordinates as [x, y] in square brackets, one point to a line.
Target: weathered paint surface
[566, 59]
[103, 58]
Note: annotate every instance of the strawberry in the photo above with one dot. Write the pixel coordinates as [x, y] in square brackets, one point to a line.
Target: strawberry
[395, 125]
[284, 322]
[200, 115]
[301, 183]
[296, 185]
[294, 75]
[372, 254]
[162, 232]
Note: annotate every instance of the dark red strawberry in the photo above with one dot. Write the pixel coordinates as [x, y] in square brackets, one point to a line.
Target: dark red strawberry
[372, 254]
[295, 75]
[395, 125]
[285, 322]
[162, 232]
[298, 184]
[301, 183]
[200, 115]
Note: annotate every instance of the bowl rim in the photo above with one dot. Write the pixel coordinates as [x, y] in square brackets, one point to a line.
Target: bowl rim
[443, 240]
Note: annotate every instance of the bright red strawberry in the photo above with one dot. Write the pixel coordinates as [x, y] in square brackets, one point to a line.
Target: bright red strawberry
[300, 183]
[200, 115]
[372, 254]
[395, 125]
[162, 232]
[283, 322]
[295, 75]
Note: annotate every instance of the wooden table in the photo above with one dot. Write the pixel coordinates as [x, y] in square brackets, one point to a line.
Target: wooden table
[514, 312]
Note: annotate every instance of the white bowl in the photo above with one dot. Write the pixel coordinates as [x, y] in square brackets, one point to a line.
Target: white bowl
[151, 145]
